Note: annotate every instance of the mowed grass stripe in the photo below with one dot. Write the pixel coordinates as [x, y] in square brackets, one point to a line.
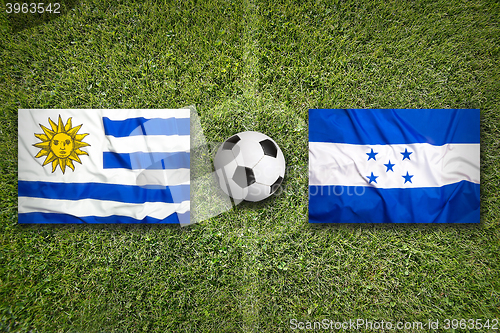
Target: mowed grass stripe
[249, 296]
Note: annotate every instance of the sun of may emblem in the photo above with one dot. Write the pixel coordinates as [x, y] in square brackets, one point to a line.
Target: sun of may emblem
[61, 144]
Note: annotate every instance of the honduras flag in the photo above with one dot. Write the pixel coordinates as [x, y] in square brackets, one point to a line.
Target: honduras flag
[394, 166]
[104, 166]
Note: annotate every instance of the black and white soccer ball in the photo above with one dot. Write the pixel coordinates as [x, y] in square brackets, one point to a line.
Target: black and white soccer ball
[250, 166]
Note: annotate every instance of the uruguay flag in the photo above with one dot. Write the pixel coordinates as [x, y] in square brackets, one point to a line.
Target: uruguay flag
[104, 166]
[394, 166]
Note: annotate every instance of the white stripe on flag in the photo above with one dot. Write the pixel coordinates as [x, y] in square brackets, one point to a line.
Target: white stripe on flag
[91, 207]
[431, 166]
[116, 176]
[147, 143]
[122, 114]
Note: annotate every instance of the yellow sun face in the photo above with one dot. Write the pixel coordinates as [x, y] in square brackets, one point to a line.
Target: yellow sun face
[61, 144]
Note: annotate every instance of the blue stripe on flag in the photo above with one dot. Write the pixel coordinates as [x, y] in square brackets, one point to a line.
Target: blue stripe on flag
[394, 126]
[101, 191]
[454, 203]
[143, 126]
[144, 160]
[65, 218]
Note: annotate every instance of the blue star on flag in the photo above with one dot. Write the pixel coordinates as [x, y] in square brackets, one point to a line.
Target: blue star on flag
[389, 166]
[372, 178]
[406, 154]
[408, 178]
[371, 155]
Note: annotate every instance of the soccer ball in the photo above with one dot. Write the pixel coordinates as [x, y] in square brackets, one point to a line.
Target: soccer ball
[250, 166]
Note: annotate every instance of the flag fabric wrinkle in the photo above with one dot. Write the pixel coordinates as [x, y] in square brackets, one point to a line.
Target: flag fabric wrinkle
[104, 166]
[394, 166]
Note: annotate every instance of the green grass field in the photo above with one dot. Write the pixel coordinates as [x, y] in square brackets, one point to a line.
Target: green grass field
[249, 65]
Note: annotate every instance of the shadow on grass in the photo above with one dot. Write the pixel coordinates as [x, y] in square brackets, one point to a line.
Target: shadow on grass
[20, 21]
[421, 227]
[119, 228]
